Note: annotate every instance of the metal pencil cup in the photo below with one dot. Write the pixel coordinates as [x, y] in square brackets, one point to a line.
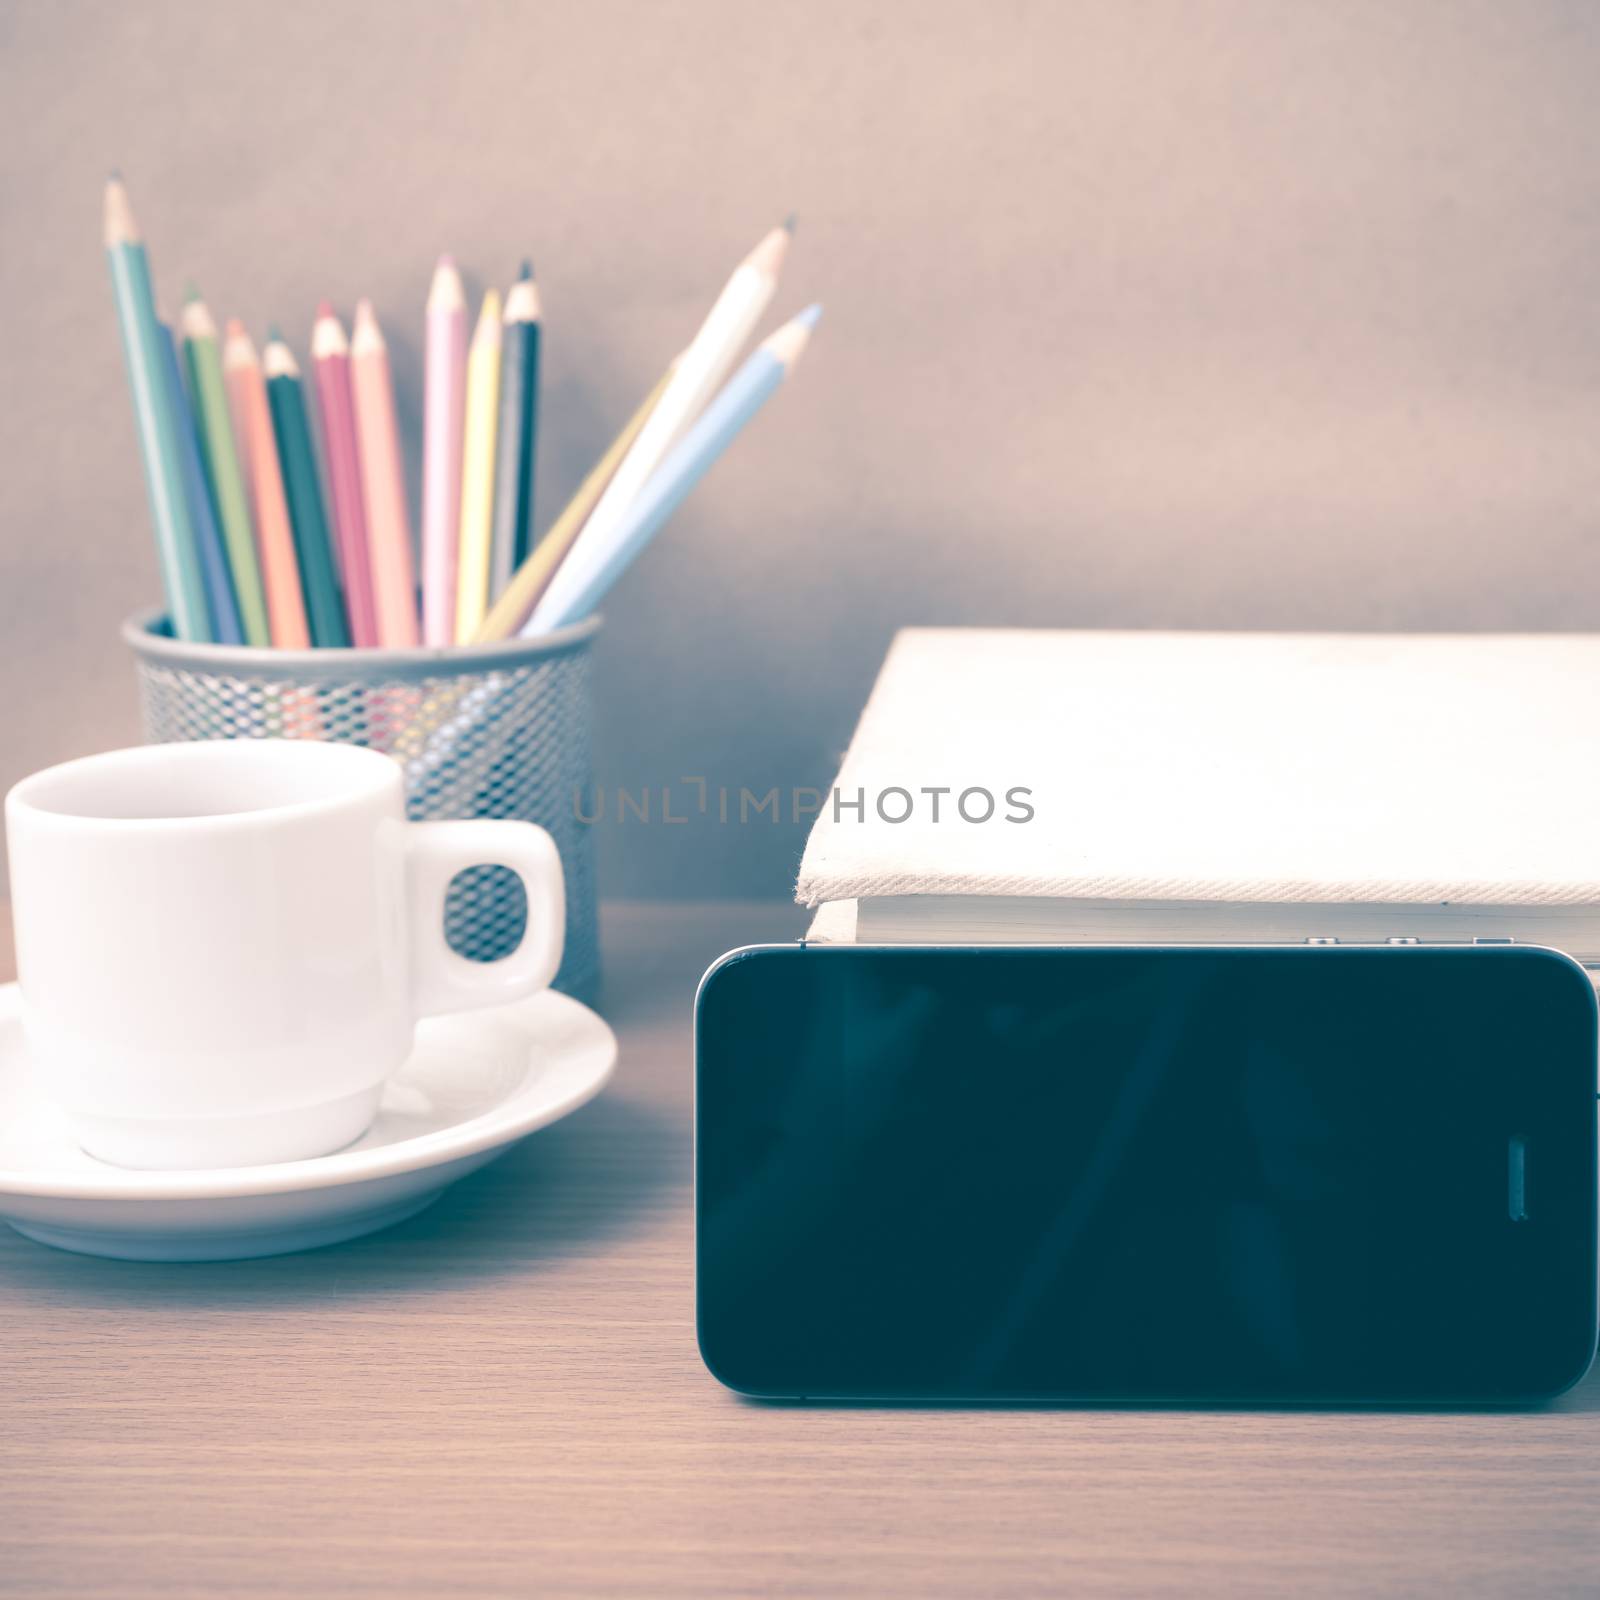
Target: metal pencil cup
[486, 731]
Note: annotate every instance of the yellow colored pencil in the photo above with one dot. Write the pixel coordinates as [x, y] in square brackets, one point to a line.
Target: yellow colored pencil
[477, 470]
[528, 582]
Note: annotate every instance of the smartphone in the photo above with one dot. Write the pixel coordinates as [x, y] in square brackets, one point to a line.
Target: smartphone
[1325, 1174]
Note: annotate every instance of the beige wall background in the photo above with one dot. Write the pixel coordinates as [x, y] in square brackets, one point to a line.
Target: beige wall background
[1242, 315]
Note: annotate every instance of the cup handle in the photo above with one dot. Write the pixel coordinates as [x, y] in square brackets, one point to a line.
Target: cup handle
[442, 980]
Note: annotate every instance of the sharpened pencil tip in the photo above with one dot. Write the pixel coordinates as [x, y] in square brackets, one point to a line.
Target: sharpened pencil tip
[275, 334]
[367, 334]
[527, 270]
[445, 293]
[791, 222]
[324, 309]
[197, 321]
[810, 317]
[486, 331]
[114, 175]
[120, 228]
[191, 293]
[234, 328]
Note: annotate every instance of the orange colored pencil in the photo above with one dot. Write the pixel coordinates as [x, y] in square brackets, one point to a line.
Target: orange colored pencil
[280, 571]
[383, 486]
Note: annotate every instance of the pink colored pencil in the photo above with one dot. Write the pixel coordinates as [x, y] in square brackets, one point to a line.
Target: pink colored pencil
[330, 360]
[280, 568]
[443, 419]
[383, 484]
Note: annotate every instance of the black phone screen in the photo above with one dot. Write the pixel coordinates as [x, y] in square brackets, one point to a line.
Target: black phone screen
[1298, 1174]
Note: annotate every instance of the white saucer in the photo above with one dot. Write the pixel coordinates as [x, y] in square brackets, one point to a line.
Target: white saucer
[475, 1083]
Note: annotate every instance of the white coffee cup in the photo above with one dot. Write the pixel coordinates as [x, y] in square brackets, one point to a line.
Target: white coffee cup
[223, 947]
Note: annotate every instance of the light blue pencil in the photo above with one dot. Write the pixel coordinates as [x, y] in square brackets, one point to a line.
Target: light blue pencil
[155, 417]
[224, 607]
[578, 588]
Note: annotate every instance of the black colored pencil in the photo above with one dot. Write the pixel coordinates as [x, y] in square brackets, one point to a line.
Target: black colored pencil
[517, 434]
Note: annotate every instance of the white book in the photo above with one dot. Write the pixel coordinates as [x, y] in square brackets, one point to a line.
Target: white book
[1217, 788]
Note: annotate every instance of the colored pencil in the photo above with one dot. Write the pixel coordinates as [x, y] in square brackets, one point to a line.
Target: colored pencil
[578, 589]
[154, 417]
[477, 470]
[443, 416]
[532, 336]
[291, 427]
[280, 570]
[221, 447]
[517, 435]
[221, 606]
[239, 420]
[702, 368]
[383, 484]
[512, 609]
[330, 362]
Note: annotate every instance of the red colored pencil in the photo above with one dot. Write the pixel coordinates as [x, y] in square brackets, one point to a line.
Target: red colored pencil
[330, 360]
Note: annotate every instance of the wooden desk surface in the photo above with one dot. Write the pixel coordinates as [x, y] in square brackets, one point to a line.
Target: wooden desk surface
[503, 1397]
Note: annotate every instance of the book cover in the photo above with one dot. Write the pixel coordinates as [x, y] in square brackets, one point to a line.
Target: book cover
[1220, 769]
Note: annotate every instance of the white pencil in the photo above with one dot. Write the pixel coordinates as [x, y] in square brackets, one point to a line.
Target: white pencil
[444, 417]
[700, 371]
[577, 589]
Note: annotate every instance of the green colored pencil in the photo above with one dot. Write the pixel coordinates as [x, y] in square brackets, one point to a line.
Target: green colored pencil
[204, 356]
[318, 576]
[155, 418]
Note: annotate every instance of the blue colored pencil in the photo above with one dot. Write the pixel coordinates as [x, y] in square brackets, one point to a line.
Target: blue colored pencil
[578, 587]
[154, 417]
[223, 604]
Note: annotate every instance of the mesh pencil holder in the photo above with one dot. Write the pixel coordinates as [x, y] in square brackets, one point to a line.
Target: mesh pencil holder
[497, 730]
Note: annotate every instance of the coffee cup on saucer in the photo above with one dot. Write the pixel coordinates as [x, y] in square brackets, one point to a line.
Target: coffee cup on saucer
[223, 948]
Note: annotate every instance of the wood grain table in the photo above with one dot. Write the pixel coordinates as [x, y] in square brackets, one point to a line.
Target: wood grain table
[502, 1396]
